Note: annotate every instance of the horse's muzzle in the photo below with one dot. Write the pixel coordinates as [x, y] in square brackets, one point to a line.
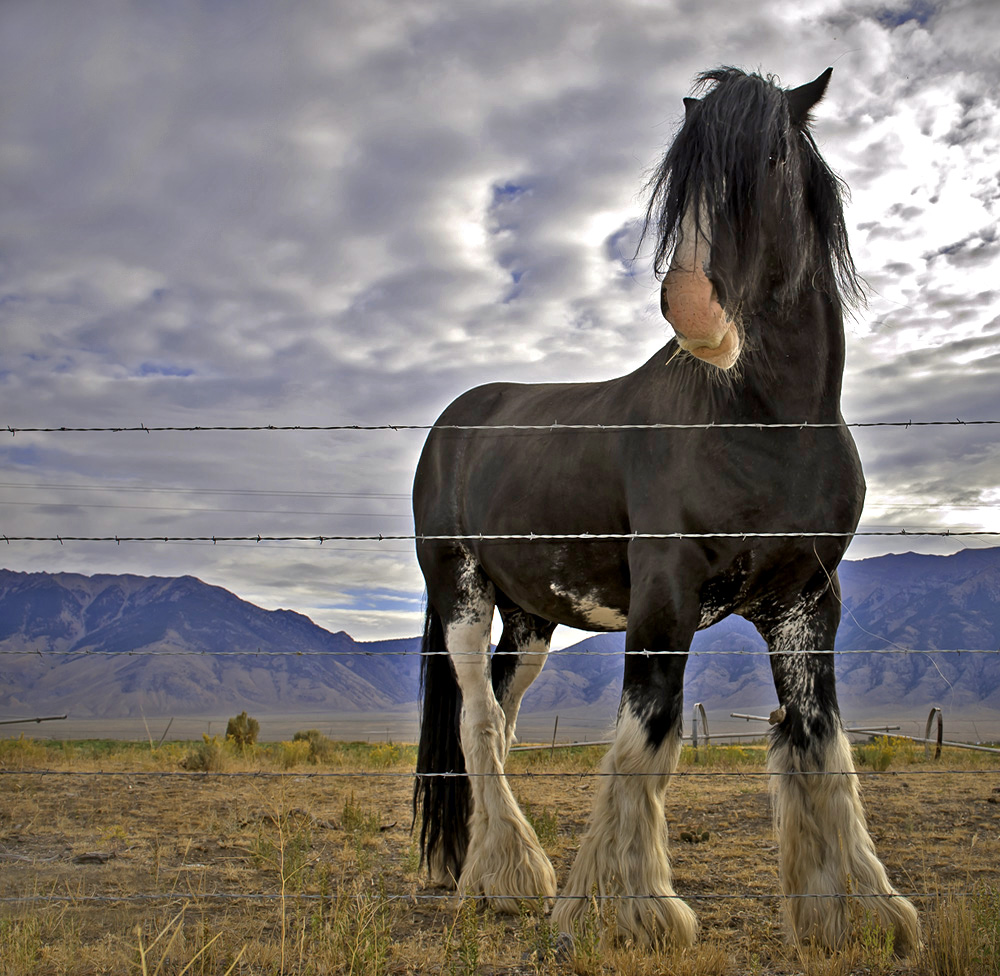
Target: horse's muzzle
[689, 302]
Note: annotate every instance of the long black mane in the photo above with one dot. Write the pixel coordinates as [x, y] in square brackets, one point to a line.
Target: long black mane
[740, 143]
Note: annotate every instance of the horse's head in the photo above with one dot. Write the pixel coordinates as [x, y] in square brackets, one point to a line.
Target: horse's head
[747, 211]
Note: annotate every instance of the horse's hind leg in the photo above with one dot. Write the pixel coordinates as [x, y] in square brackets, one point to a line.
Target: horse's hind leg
[825, 847]
[504, 860]
[517, 661]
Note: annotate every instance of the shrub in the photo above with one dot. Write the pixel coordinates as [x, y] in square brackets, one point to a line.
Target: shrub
[320, 747]
[242, 730]
[360, 820]
[964, 937]
[384, 754]
[877, 754]
[544, 823]
[293, 753]
[21, 753]
[208, 756]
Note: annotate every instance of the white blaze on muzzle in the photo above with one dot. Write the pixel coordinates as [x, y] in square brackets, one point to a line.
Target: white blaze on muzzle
[690, 304]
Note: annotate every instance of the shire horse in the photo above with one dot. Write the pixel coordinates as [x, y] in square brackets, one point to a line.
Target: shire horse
[698, 522]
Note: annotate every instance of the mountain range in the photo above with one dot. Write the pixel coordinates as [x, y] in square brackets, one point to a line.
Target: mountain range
[122, 645]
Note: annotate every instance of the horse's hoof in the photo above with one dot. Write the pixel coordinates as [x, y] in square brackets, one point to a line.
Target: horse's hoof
[511, 875]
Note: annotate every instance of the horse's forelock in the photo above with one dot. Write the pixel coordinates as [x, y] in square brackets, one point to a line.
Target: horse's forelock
[721, 156]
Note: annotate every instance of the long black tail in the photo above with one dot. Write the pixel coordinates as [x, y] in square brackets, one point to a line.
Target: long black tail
[443, 802]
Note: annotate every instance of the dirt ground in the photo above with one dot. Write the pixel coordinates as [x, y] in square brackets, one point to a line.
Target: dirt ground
[112, 866]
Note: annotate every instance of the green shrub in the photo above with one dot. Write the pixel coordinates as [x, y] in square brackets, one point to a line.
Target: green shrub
[22, 752]
[320, 747]
[882, 750]
[242, 730]
[384, 754]
[293, 753]
[544, 823]
[358, 820]
[208, 756]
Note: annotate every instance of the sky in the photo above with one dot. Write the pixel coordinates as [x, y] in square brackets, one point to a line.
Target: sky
[321, 213]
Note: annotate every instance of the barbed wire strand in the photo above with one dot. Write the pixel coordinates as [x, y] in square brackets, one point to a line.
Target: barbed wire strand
[416, 897]
[527, 774]
[500, 537]
[554, 426]
[562, 652]
[871, 502]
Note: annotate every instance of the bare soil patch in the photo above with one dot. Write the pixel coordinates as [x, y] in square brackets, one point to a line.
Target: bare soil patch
[304, 873]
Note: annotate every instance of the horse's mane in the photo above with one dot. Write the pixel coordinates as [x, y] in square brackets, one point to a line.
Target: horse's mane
[729, 150]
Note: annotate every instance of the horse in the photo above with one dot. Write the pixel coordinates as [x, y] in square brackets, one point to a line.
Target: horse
[687, 507]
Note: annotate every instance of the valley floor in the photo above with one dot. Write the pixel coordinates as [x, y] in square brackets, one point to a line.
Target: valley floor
[124, 858]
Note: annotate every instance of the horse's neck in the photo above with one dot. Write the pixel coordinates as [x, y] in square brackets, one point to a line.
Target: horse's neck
[797, 372]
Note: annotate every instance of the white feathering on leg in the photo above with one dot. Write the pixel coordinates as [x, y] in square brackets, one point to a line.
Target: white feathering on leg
[825, 849]
[624, 851]
[504, 861]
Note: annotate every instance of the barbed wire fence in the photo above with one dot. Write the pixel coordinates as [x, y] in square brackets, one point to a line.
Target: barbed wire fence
[415, 897]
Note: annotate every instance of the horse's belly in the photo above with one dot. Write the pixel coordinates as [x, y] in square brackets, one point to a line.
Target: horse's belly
[588, 591]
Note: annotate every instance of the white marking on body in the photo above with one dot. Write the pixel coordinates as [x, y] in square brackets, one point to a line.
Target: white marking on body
[796, 633]
[589, 607]
[531, 659]
[624, 851]
[711, 614]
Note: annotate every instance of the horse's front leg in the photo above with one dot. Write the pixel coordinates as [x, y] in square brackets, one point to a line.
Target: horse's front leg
[505, 861]
[623, 857]
[826, 851]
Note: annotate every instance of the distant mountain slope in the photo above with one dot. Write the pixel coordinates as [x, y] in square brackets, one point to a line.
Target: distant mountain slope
[894, 602]
[925, 602]
[216, 652]
[83, 628]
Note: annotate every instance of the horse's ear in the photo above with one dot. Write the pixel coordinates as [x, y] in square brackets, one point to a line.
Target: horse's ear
[801, 100]
[690, 104]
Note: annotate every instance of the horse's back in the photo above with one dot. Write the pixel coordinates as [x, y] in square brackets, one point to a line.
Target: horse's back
[473, 477]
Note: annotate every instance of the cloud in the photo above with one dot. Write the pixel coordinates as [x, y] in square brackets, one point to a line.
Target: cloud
[350, 213]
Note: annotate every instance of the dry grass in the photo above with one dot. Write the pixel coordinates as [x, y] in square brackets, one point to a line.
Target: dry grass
[322, 872]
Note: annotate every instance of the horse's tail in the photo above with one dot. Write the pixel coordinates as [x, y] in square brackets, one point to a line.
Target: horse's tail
[442, 802]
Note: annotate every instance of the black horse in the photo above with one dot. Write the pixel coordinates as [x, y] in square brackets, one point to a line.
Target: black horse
[703, 522]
